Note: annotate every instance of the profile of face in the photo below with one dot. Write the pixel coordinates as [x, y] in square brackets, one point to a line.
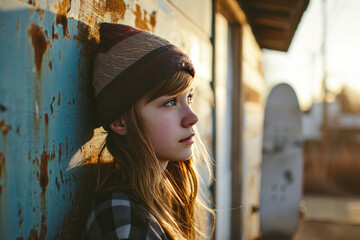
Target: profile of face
[168, 124]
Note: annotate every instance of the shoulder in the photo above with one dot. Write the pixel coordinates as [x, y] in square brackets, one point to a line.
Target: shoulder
[119, 216]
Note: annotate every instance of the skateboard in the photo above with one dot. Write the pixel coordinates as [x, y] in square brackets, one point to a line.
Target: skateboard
[282, 165]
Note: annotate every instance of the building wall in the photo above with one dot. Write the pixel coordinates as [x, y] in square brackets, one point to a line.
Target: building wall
[46, 95]
[252, 113]
[254, 91]
[223, 119]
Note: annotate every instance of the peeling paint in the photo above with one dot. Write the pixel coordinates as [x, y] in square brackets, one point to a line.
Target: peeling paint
[144, 22]
[153, 20]
[117, 8]
[62, 9]
[39, 43]
[55, 35]
[62, 19]
[41, 13]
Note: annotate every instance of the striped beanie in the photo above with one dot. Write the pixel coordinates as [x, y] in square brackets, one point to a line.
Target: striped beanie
[130, 63]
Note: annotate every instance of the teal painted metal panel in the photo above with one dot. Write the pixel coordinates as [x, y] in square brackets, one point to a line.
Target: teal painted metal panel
[45, 116]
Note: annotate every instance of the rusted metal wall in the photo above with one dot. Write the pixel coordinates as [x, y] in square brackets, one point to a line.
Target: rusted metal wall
[44, 94]
[46, 98]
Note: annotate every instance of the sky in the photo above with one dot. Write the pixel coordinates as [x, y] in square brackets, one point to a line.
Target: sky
[302, 67]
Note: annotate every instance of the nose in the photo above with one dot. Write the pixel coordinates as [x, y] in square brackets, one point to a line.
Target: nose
[189, 119]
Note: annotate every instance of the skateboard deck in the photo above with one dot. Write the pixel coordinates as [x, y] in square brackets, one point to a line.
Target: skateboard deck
[282, 165]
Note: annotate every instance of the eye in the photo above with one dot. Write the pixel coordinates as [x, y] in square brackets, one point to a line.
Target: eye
[171, 102]
[189, 99]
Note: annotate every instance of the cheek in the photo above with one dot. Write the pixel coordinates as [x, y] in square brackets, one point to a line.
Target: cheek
[161, 131]
[165, 123]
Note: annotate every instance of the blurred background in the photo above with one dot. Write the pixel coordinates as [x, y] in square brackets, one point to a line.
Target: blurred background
[241, 49]
[323, 67]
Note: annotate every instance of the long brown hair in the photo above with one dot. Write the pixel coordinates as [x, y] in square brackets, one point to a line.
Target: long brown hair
[173, 198]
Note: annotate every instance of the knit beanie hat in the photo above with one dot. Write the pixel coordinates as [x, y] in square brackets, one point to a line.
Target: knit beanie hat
[128, 64]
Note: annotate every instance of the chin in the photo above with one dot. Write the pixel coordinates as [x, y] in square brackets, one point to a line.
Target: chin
[180, 157]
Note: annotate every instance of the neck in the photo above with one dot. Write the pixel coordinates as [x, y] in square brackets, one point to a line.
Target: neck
[163, 165]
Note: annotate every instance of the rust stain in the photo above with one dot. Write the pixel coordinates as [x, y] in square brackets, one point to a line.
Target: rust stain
[117, 8]
[43, 228]
[32, 2]
[33, 235]
[44, 178]
[69, 103]
[2, 108]
[59, 99]
[55, 35]
[57, 184]
[144, 22]
[17, 24]
[50, 65]
[41, 13]
[51, 105]
[60, 146]
[39, 42]
[62, 19]
[0, 189]
[153, 20]
[5, 129]
[62, 9]
[61, 177]
[20, 216]
[2, 163]
[46, 119]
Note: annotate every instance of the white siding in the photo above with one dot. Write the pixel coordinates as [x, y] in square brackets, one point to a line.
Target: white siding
[223, 129]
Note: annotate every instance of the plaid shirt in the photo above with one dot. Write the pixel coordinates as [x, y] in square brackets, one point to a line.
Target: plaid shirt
[117, 216]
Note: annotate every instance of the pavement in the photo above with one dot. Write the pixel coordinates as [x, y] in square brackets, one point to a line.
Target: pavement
[330, 218]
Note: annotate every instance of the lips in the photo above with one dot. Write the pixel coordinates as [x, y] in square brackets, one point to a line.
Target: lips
[188, 139]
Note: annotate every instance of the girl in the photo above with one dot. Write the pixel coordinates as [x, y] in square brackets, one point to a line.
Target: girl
[144, 89]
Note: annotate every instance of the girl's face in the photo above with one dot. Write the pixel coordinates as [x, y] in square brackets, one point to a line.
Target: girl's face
[168, 124]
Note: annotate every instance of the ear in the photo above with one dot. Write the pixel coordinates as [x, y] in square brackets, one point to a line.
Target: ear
[118, 126]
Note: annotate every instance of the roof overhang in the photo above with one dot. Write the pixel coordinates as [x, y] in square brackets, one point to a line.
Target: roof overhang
[274, 22]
